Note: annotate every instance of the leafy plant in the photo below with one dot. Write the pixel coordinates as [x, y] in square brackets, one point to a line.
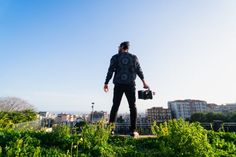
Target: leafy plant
[94, 139]
[181, 138]
[7, 119]
[174, 138]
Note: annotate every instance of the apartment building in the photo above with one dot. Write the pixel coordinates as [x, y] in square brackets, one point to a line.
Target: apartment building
[98, 115]
[224, 108]
[185, 108]
[45, 114]
[64, 117]
[158, 114]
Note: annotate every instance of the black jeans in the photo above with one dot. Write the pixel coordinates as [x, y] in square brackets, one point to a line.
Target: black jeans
[129, 91]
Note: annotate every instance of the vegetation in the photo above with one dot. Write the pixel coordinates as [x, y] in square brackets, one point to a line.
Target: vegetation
[175, 138]
[210, 117]
[7, 119]
[15, 110]
[180, 138]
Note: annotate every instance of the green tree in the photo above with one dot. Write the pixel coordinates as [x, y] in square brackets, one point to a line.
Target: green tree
[215, 116]
[209, 117]
[13, 117]
[198, 117]
[231, 117]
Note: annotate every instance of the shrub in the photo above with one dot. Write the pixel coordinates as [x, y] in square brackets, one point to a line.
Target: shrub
[7, 119]
[94, 140]
[175, 138]
[223, 143]
[181, 138]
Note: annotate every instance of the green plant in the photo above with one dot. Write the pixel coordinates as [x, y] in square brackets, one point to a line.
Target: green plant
[26, 146]
[174, 138]
[181, 138]
[223, 143]
[94, 139]
[7, 119]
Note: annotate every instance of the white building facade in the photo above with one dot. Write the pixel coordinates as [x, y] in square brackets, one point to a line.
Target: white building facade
[224, 108]
[185, 108]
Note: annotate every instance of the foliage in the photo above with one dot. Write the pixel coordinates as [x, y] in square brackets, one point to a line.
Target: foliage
[181, 138]
[26, 146]
[175, 138]
[7, 119]
[223, 143]
[5, 122]
[94, 140]
[210, 117]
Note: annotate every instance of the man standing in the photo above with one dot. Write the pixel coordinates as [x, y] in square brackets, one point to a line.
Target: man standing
[125, 66]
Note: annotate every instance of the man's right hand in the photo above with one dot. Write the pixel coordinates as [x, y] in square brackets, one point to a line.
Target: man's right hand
[105, 88]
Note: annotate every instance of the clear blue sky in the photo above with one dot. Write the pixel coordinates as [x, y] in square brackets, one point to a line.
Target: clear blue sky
[55, 53]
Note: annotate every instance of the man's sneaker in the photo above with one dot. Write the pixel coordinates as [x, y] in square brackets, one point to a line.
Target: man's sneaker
[112, 132]
[134, 134]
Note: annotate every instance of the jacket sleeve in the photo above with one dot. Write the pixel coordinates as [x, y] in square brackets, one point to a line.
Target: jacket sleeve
[111, 69]
[139, 71]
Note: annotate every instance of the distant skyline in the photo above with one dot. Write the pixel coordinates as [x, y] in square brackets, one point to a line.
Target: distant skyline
[55, 54]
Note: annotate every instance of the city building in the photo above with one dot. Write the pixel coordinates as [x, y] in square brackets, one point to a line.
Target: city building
[211, 107]
[45, 114]
[231, 107]
[47, 119]
[185, 108]
[158, 114]
[223, 108]
[142, 119]
[64, 118]
[98, 115]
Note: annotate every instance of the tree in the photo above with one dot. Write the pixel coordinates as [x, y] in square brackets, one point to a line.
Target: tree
[18, 116]
[215, 116]
[14, 104]
[209, 117]
[198, 117]
[231, 117]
